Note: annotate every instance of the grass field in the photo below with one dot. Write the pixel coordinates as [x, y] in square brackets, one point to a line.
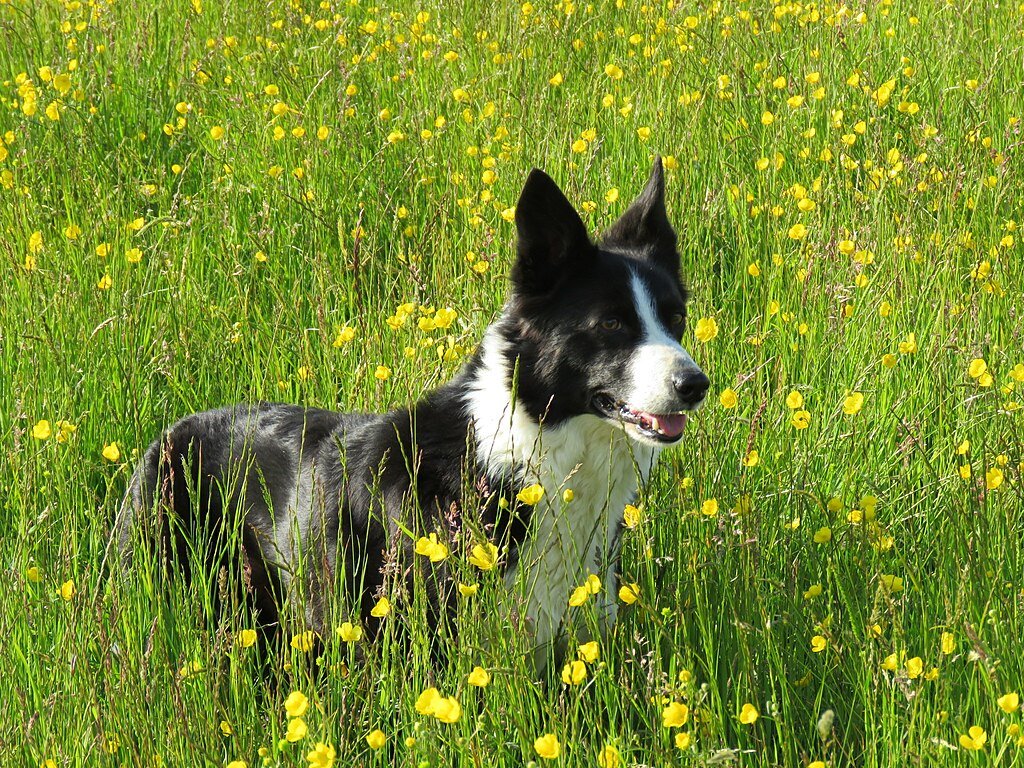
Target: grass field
[204, 203]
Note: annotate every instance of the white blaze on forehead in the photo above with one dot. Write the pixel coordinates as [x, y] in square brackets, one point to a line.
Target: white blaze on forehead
[656, 357]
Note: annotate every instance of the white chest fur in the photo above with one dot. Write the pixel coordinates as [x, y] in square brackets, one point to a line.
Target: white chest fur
[567, 541]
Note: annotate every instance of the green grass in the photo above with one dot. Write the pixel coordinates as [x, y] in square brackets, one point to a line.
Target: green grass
[930, 192]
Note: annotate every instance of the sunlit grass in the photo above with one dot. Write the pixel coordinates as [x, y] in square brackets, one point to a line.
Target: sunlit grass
[202, 205]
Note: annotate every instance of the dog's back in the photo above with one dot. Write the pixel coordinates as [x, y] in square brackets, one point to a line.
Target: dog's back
[237, 480]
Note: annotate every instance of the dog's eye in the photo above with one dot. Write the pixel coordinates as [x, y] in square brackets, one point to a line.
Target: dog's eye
[677, 319]
[611, 324]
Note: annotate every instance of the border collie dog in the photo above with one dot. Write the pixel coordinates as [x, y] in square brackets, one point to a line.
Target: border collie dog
[578, 384]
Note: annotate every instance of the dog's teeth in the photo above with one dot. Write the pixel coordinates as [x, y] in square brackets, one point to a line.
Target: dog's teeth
[655, 424]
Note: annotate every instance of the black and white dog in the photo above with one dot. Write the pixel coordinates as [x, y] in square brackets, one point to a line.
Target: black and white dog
[578, 384]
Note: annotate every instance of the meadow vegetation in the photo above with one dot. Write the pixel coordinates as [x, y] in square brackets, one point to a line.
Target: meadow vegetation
[203, 203]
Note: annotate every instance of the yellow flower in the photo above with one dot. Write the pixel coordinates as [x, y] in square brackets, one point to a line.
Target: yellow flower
[547, 746]
[217, 133]
[823, 535]
[632, 516]
[706, 329]
[62, 82]
[322, 755]
[993, 478]
[909, 346]
[683, 741]
[41, 430]
[797, 232]
[767, 118]
[612, 195]
[556, 79]
[67, 589]
[915, 667]
[801, 419]
[444, 317]
[133, 255]
[345, 335]
[468, 590]
[574, 673]
[303, 641]
[977, 368]
[531, 494]
[111, 452]
[629, 593]
[349, 632]
[974, 739]
[589, 652]
[794, 400]
[447, 710]
[430, 547]
[297, 730]
[818, 644]
[613, 71]
[105, 283]
[246, 638]
[425, 701]
[1009, 702]
[237, 764]
[853, 403]
[675, 715]
[296, 704]
[579, 596]
[709, 507]
[947, 643]
[728, 398]
[609, 757]
[382, 373]
[381, 609]
[479, 677]
[65, 430]
[484, 556]
[749, 714]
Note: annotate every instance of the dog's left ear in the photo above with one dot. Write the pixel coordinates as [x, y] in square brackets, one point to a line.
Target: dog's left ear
[645, 227]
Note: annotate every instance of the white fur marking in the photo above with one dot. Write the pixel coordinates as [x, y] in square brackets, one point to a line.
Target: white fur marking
[657, 355]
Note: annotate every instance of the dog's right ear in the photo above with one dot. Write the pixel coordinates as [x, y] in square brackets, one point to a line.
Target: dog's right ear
[551, 235]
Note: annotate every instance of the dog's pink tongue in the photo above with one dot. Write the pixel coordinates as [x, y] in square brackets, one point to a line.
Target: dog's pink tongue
[670, 424]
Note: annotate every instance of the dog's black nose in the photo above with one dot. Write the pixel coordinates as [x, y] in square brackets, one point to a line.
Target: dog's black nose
[691, 386]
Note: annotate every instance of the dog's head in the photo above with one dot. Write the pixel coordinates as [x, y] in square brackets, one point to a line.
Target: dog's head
[595, 328]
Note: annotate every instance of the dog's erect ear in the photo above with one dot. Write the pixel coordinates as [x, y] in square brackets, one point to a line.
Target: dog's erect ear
[551, 235]
[645, 227]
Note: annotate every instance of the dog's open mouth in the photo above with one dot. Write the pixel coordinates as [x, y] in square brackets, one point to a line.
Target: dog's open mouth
[664, 427]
